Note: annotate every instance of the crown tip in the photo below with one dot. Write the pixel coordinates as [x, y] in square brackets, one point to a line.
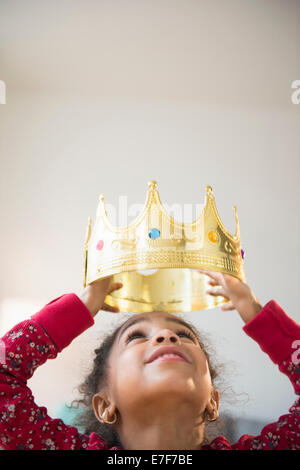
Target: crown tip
[152, 184]
[101, 197]
[209, 189]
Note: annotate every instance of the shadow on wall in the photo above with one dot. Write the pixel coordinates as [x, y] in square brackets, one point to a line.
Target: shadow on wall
[233, 427]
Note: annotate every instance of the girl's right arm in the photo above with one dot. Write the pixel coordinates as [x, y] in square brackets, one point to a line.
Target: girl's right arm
[23, 424]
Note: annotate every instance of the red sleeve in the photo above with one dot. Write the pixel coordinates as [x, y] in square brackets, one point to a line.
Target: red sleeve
[23, 424]
[278, 335]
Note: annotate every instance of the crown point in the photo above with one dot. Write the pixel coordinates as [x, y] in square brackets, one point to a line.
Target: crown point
[101, 197]
[209, 189]
[152, 184]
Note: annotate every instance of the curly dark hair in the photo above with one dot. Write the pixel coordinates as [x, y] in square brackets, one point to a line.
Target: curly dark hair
[98, 376]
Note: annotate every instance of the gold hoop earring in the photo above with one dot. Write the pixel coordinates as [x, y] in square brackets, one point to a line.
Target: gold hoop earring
[104, 416]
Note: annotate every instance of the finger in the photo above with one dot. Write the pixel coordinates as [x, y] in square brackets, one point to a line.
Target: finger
[115, 286]
[217, 292]
[228, 306]
[216, 276]
[212, 283]
[109, 308]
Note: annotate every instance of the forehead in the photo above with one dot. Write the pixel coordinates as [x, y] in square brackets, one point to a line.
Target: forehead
[150, 317]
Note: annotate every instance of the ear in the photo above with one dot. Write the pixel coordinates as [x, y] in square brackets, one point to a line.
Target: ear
[213, 404]
[216, 397]
[100, 404]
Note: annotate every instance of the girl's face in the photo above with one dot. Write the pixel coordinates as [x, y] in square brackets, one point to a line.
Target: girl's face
[137, 388]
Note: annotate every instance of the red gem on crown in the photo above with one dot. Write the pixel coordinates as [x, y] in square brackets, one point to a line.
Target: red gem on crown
[100, 245]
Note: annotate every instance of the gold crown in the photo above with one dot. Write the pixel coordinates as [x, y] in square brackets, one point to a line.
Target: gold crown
[154, 240]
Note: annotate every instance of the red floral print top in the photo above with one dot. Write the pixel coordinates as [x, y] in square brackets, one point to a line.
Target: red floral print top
[24, 425]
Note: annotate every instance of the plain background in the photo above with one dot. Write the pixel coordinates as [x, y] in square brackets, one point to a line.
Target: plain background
[103, 96]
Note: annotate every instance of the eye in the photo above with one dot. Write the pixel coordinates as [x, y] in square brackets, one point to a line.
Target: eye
[137, 333]
[186, 333]
[133, 335]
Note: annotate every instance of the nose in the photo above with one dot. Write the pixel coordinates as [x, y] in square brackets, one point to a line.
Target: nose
[166, 336]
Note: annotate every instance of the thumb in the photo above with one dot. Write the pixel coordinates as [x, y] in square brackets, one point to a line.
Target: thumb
[114, 286]
[228, 306]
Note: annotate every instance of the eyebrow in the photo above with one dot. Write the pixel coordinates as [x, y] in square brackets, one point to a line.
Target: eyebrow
[140, 319]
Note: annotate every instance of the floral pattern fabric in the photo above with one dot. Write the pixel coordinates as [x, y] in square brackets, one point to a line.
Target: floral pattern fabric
[25, 425]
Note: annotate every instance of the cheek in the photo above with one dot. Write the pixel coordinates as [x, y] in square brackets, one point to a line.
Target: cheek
[203, 377]
[126, 374]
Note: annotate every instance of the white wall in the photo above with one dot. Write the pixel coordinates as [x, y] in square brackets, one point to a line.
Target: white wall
[104, 94]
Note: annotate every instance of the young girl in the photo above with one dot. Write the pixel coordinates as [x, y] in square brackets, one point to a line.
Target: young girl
[152, 384]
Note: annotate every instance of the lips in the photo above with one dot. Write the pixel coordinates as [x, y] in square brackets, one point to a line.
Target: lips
[167, 350]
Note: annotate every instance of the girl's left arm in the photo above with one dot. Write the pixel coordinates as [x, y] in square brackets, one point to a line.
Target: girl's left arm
[278, 335]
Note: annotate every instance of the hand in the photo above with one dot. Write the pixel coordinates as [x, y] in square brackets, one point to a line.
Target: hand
[94, 294]
[239, 294]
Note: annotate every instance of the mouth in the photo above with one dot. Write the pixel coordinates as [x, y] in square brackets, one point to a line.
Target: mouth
[168, 353]
[169, 357]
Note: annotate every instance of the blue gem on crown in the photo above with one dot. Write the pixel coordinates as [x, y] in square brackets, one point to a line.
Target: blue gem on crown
[154, 233]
